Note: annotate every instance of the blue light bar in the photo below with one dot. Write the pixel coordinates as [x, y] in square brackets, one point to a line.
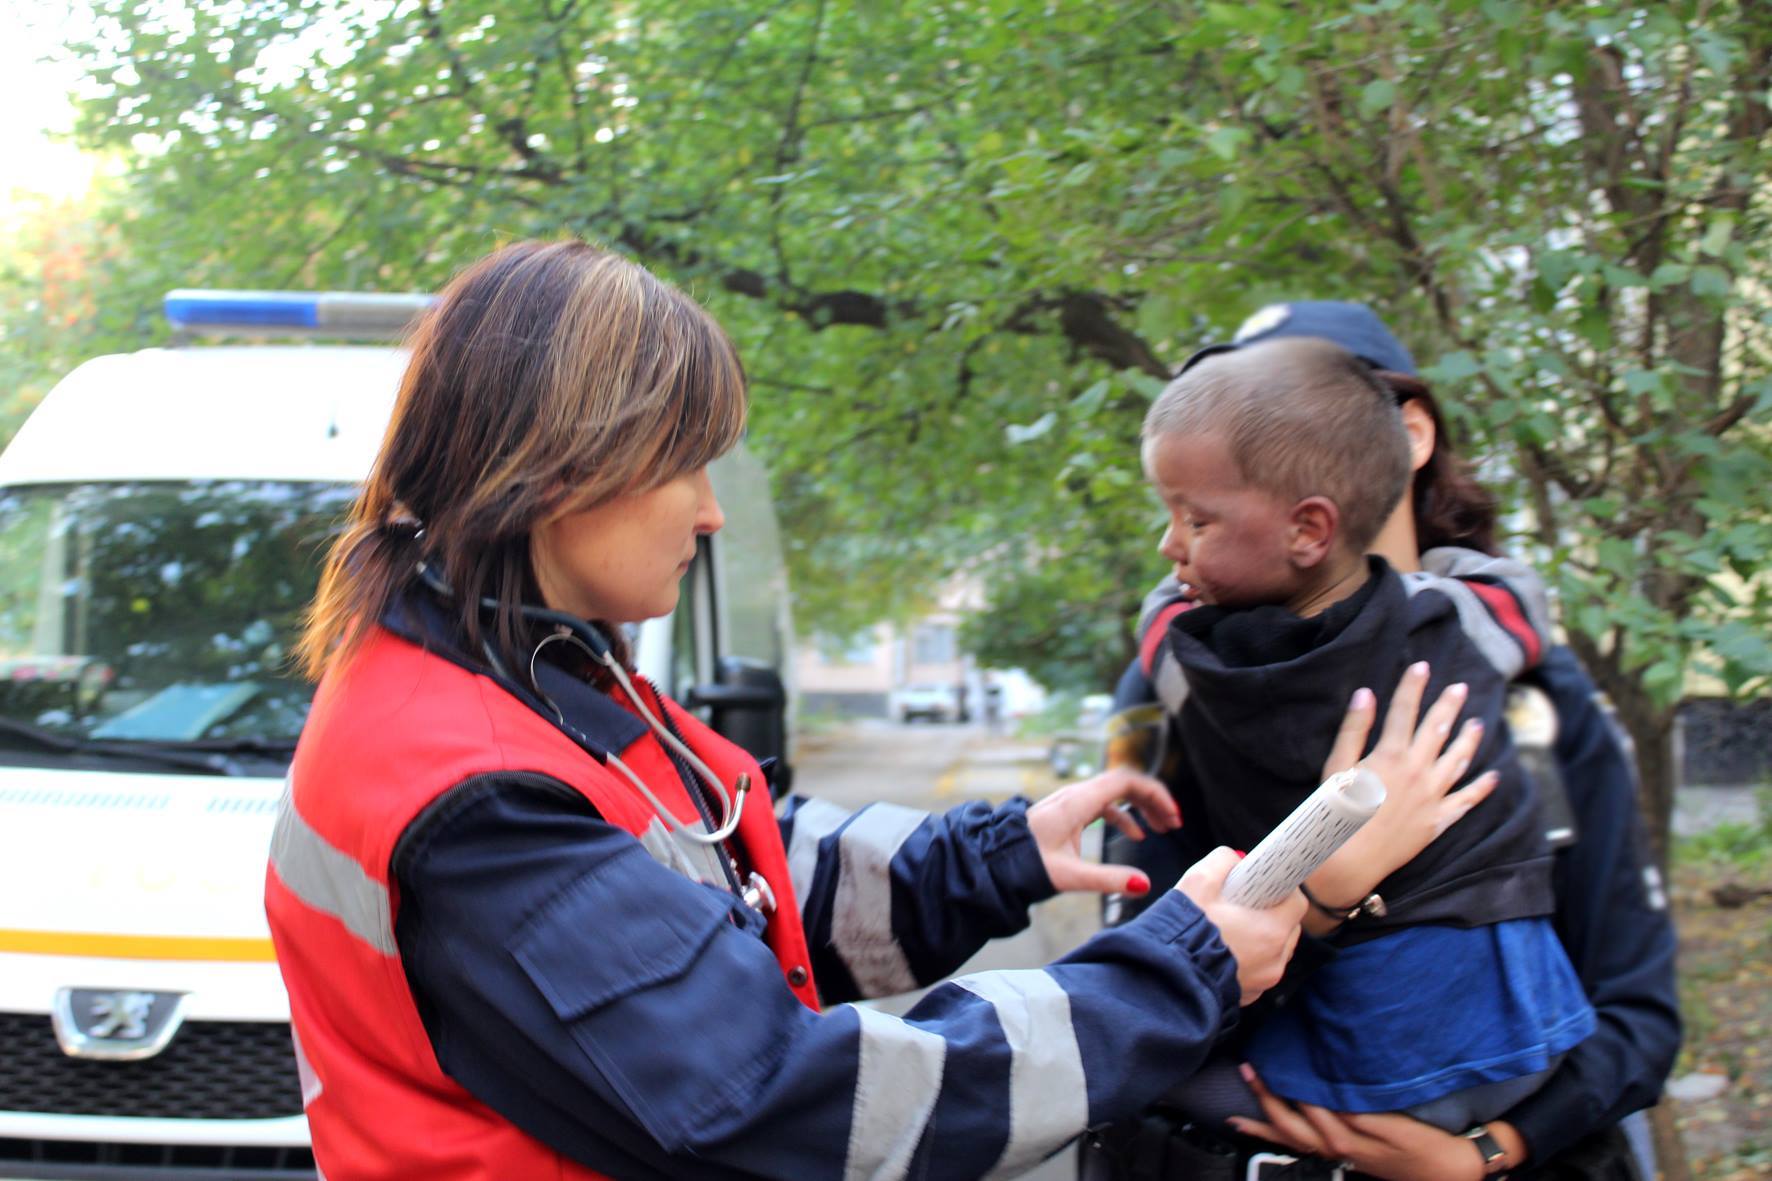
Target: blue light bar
[320, 313]
[212, 309]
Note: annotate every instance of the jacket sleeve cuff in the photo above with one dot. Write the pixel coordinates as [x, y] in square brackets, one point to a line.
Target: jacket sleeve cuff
[1552, 1119]
[1174, 920]
[1014, 857]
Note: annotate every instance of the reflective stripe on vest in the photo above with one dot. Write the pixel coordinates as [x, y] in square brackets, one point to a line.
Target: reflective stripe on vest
[388, 734]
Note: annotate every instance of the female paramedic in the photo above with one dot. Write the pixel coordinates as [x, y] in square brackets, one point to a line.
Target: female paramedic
[536, 920]
[1610, 909]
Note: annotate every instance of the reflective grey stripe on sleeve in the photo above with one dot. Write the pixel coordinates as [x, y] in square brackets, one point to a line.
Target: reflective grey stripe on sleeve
[1499, 648]
[1519, 579]
[898, 1080]
[328, 880]
[1048, 1095]
[861, 914]
[1165, 593]
[1169, 682]
[814, 820]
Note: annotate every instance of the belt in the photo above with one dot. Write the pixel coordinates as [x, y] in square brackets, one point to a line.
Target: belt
[1155, 1148]
[1277, 1166]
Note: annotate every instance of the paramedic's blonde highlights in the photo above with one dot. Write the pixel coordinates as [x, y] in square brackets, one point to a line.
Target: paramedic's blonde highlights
[549, 377]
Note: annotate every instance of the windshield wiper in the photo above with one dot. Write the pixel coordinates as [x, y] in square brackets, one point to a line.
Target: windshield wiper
[36, 736]
[44, 739]
[278, 748]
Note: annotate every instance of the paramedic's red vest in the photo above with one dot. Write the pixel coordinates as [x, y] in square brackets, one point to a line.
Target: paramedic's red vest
[393, 730]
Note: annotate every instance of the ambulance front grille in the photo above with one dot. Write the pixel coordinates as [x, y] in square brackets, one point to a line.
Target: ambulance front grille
[211, 1070]
[80, 1160]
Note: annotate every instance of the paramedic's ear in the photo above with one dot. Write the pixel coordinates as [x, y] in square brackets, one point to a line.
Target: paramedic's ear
[1315, 524]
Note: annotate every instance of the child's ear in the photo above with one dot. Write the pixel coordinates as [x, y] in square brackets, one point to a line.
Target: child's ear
[1316, 522]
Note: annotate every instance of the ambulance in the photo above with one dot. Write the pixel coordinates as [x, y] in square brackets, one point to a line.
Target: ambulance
[163, 517]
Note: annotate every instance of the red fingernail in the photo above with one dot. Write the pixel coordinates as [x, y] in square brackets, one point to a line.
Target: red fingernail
[1239, 853]
[1138, 884]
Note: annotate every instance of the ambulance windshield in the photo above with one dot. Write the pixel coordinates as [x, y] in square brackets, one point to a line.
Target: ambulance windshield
[159, 613]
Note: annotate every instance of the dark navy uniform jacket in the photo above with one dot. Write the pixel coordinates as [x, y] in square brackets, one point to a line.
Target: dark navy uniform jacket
[987, 1075]
[1611, 915]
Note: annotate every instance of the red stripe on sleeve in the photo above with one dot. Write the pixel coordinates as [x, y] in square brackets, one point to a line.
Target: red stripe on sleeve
[1507, 612]
[1153, 635]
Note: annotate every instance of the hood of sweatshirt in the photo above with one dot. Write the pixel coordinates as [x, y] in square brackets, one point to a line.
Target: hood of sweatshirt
[1267, 689]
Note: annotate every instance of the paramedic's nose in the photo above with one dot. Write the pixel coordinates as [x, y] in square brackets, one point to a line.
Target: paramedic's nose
[709, 518]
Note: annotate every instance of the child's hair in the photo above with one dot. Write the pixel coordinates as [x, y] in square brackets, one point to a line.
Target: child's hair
[1302, 417]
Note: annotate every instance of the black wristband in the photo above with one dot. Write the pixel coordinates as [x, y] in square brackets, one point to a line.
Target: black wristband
[1488, 1147]
[1371, 904]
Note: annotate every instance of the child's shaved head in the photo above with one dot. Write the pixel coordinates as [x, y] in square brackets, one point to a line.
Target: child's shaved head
[1301, 417]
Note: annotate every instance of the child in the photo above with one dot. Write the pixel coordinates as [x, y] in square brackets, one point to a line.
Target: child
[1278, 463]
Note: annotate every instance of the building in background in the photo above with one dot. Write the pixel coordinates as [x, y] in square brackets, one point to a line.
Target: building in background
[914, 671]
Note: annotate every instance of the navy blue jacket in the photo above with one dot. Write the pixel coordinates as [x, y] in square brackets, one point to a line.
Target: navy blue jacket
[697, 1062]
[1611, 915]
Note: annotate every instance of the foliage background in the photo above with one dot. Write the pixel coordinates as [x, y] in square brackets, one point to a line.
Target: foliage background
[962, 243]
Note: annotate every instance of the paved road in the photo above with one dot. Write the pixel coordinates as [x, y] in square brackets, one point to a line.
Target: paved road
[935, 767]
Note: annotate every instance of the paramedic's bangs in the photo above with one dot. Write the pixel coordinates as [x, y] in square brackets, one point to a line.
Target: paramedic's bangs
[689, 408]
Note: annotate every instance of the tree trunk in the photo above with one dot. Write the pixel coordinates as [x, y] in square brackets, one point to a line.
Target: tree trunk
[1651, 730]
[1670, 1147]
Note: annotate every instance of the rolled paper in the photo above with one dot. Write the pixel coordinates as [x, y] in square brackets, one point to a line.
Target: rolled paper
[1289, 854]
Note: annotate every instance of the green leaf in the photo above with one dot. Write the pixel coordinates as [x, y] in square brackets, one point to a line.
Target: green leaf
[1717, 236]
[1668, 274]
[1033, 430]
[1663, 679]
[1090, 400]
[1556, 268]
[1711, 280]
[1377, 96]
[1457, 366]
[1227, 142]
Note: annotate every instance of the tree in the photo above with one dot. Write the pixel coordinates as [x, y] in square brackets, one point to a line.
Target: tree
[961, 245]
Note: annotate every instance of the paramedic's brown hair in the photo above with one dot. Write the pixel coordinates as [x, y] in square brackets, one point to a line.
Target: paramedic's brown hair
[1302, 417]
[549, 377]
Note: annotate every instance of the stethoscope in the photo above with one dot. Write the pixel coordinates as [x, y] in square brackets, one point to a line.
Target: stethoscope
[569, 629]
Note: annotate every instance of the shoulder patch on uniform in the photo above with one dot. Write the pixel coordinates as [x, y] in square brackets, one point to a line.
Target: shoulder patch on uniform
[1655, 894]
[1531, 715]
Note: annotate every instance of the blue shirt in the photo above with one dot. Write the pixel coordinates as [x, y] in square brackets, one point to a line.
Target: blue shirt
[1424, 1012]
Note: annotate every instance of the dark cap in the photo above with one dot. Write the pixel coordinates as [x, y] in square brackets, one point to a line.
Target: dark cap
[1353, 326]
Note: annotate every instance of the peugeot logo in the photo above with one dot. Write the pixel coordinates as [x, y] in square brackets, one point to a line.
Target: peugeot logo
[119, 1025]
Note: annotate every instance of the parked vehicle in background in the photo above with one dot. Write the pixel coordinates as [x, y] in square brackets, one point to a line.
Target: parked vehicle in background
[163, 516]
[933, 703]
[1077, 748]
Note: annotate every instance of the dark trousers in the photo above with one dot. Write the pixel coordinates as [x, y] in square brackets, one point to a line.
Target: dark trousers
[1156, 1147]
